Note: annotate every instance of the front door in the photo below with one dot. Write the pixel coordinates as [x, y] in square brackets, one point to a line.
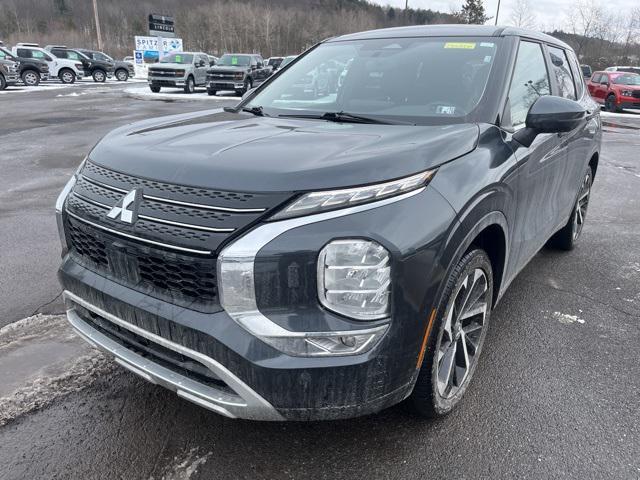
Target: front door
[541, 166]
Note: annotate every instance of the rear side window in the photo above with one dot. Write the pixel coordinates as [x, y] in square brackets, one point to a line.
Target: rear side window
[595, 78]
[530, 81]
[577, 74]
[25, 53]
[562, 72]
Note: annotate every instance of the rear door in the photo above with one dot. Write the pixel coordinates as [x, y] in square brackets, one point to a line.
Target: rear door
[542, 165]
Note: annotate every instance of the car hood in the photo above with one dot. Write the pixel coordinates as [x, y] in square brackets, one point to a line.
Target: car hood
[176, 66]
[223, 68]
[242, 152]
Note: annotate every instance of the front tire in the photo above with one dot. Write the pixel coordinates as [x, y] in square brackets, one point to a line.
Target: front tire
[122, 75]
[248, 85]
[610, 104]
[190, 86]
[456, 337]
[67, 76]
[3, 82]
[99, 76]
[567, 237]
[30, 78]
[154, 88]
[211, 92]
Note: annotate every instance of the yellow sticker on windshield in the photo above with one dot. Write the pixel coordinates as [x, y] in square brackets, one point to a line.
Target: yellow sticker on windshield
[460, 45]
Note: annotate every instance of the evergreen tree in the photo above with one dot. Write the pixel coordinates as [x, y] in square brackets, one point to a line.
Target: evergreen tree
[473, 12]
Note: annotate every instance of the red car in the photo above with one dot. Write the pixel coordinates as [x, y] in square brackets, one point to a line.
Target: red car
[615, 90]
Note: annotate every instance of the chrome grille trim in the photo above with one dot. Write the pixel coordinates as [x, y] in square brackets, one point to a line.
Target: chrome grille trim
[139, 239]
[158, 220]
[176, 202]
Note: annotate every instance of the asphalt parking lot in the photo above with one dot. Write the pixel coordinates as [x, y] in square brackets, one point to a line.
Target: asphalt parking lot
[556, 394]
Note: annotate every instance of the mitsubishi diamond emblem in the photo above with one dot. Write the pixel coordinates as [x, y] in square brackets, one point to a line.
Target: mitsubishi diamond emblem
[126, 210]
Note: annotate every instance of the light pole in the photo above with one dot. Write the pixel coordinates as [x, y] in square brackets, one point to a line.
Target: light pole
[95, 14]
[497, 12]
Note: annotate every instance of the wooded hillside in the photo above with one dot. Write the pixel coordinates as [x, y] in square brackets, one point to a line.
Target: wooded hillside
[270, 27]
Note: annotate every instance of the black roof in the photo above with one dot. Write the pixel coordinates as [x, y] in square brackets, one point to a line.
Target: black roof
[452, 31]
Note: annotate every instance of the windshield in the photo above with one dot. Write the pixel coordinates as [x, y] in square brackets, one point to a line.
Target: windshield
[627, 80]
[416, 80]
[181, 58]
[234, 61]
[102, 57]
[5, 54]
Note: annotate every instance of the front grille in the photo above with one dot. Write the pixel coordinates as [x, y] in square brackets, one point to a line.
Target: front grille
[636, 94]
[158, 354]
[222, 76]
[164, 73]
[170, 252]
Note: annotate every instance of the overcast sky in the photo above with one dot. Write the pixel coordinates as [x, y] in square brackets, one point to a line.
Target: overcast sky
[549, 14]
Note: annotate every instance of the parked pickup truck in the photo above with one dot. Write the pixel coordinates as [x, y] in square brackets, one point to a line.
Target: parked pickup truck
[237, 71]
[8, 73]
[179, 69]
[30, 70]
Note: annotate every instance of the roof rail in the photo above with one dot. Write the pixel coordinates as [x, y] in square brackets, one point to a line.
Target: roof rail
[27, 44]
[50, 47]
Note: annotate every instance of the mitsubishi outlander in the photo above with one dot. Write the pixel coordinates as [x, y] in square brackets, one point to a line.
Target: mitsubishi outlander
[328, 254]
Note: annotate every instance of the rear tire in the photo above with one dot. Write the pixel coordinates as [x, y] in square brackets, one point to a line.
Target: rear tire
[190, 86]
[122, 75]
[99, 76]
[456, 336]
[567, 237]
[154, 88]
[30, 78]
[67, 76]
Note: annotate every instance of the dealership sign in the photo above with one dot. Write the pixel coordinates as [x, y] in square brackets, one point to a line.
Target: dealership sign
[161, 25]
[151, 49]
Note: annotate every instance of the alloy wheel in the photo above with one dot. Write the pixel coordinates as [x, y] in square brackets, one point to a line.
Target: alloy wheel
[122, 75]
[30, 79]
[459, 347]
[581, 206]
[67, 77]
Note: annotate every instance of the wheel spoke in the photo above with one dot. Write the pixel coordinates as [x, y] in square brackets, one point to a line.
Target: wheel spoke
[462, 361]
[445, 370]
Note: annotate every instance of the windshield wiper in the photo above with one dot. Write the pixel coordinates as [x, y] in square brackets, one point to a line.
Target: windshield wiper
[257, 110]
[345, 117]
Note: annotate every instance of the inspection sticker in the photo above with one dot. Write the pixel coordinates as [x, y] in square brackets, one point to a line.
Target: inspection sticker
[460, 45]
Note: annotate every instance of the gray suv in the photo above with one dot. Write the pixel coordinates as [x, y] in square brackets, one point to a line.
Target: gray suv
[179, 69]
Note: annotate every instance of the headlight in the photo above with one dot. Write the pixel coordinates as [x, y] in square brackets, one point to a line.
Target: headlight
[333, 199]
[79, 66]
[179, 73]
[238, 76]
[354, 278]
[60, 205]
[627, 93]
[67, 188]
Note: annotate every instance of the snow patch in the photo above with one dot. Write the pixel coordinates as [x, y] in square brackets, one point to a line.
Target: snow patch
[566, 318]
[173, 94]
[183, 468]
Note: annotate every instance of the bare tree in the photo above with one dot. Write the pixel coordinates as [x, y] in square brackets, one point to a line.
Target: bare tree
[522, 15]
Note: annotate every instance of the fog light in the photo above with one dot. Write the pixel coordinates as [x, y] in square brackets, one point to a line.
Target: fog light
[354, 279]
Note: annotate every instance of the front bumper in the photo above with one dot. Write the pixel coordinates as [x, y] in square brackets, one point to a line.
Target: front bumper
[280, 386]
[167, 82]
[225, 85]
[631, 104]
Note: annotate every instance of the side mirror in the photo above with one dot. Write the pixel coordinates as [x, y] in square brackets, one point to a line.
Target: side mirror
[248, 92]
[201, 63]
[550, 114]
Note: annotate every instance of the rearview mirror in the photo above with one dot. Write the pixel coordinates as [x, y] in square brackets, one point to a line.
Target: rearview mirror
[550, 114]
